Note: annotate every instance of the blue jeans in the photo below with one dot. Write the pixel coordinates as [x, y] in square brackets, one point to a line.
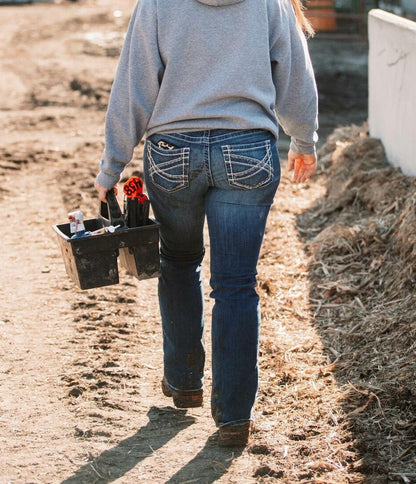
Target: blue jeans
[229, 177]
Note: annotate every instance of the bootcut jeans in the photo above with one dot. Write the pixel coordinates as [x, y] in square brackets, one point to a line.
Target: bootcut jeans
[230, 177]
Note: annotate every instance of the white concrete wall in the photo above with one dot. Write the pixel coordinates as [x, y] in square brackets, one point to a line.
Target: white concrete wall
[392, 87]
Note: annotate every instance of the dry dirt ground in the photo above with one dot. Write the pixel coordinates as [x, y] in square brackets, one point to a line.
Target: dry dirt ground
[80, 370]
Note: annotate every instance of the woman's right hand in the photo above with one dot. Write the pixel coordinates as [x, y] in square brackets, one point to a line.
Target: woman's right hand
[102, 191]
[303, 165]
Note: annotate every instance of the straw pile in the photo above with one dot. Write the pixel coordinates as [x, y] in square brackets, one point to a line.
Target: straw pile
[363, 284]
[349, 417]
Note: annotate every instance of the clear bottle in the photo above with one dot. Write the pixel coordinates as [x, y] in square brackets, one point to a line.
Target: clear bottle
[77, 227]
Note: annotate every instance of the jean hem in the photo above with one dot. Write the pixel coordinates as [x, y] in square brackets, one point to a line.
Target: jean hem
[178, 390]
[236, 422]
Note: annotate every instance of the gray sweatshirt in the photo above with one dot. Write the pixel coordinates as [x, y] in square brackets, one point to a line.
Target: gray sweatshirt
[190, 65]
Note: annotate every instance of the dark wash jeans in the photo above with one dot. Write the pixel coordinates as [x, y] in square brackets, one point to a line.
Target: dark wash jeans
[229, 177]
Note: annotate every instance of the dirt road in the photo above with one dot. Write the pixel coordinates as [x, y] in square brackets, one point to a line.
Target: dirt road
[80, 371]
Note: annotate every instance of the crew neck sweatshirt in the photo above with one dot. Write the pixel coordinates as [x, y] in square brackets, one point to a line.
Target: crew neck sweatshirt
[191, 65]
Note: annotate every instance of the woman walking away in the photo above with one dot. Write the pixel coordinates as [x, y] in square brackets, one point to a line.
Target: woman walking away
[209, 81]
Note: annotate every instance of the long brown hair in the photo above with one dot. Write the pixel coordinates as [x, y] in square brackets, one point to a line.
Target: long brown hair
[303, 22]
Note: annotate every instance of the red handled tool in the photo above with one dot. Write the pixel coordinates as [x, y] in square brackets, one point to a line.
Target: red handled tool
[136, 203]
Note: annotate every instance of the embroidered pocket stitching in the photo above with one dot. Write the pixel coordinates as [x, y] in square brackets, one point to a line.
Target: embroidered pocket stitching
[173, 158]
[262, 165]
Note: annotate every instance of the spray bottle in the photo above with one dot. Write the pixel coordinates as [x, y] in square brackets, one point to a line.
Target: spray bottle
[77, 226]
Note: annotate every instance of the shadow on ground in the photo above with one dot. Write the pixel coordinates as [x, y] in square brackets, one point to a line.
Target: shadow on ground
[164, 424]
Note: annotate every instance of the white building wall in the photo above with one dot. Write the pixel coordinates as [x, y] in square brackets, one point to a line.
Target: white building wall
[392, 87]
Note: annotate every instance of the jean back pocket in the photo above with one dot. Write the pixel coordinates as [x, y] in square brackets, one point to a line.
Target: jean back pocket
[168, 168]
[250, 165]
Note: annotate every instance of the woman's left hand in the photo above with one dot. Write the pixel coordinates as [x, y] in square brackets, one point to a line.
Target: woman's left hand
[304, 165]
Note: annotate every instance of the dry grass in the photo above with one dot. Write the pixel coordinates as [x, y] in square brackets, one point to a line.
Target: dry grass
[338, 348]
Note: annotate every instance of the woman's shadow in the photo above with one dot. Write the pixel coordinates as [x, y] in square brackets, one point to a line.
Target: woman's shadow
[164, 424]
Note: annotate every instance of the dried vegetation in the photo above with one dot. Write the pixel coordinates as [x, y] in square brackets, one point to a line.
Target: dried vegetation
[344, 399]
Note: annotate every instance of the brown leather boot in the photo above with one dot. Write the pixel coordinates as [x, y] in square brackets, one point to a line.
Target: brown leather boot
[184, 399]
[235, 435]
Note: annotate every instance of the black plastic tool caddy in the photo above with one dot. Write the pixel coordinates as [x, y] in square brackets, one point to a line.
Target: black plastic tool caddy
[92, 261]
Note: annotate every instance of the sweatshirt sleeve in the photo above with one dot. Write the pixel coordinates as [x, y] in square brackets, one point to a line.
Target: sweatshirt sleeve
[133, 94]
[294, 80]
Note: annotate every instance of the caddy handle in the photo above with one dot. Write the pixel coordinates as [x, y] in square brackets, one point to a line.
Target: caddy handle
[111, 210]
